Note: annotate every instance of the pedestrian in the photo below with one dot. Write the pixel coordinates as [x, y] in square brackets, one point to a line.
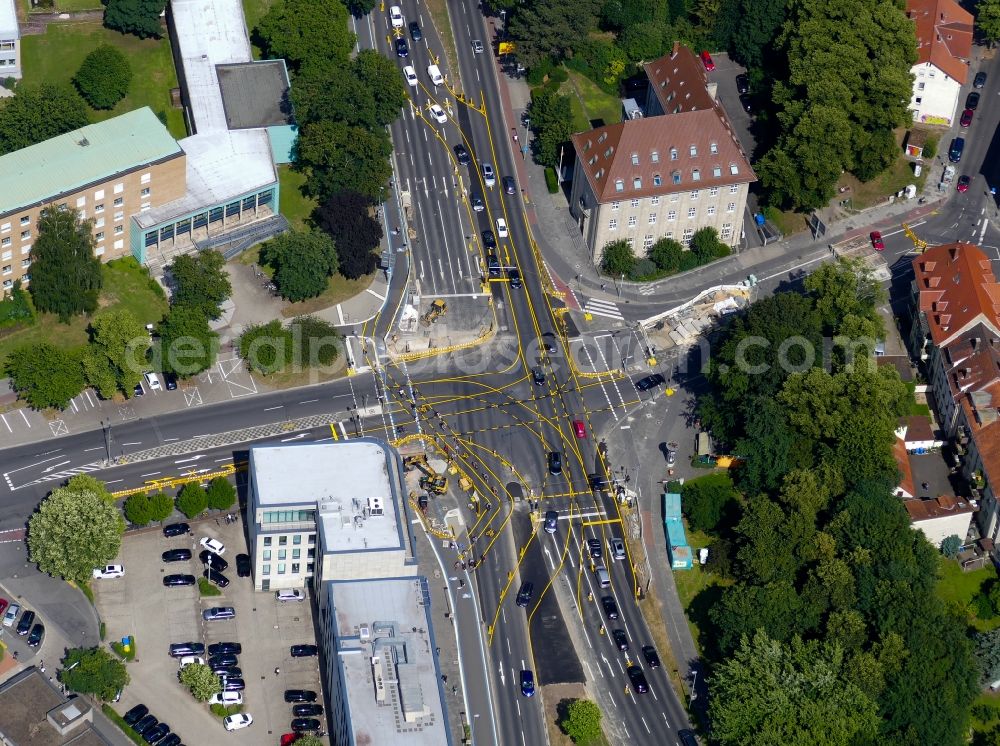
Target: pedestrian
[444, 678]
[276, 670]
[603, 285]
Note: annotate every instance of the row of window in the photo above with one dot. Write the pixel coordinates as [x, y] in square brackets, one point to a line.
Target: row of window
[296, 539]
[8, 62]
[649, 239]
[675, 177]
[283, 554]
[288, 516]
[671, 215]
[693, 194]
[181, 227]
[310, 568]
[81, 202]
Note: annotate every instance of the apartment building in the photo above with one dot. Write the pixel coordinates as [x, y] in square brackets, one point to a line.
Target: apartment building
[667, 174]
[10, 41]
[944, 48]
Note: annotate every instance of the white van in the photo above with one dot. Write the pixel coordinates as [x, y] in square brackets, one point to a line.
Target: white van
[602, 576]
[290, 594]
[434, 73]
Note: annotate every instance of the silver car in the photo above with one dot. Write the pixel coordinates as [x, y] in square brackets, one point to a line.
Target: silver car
[11, 616]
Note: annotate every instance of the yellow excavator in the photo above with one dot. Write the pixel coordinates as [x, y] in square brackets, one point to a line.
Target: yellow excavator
[438, 308]
[433, 482]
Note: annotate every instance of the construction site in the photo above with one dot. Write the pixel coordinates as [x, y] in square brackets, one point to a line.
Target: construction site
[681, 327]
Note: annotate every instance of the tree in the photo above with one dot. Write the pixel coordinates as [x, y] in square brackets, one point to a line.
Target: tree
[770, 692]
[987, 656]
[758, 23]
[358, 9]
[200, 680]
[72, 532]
[39, 113]
[303, 262]
[93, 671]
[988, 20]
[340, 157]
[188, 344]
[617, 258]
[379, 75]
[878, 152]
[951, 546]
[137, 509]
[104, 77]
[161, 505]
[844, 288]
[98, 373]
[266, 348]
[65, 273]
[551, 28]
[45, 376]
[138, 17]
[552, 122]
[368, 93]
[200, 281]
[87, 483]
[666, 255]
[706, 245]
[347, 217]
[123, 340]
[192, 500]
[305, 30]
[583, 721]
[317, 341]
[707, 501]
[221, 494]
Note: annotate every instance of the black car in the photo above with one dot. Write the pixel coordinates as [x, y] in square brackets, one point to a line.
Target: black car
[299, 695]
[37, 633]
[307, 710]
[652, 659]
[645, 384]
[493, 265]
[234, 685]
[305, 724]
[232, 672]
[136, 714]
[514, 275]
[402, 48]
[610, 607]
[222, 648]
[176, 555]
[620, 638]
[509, 185]
[594, 548]
[979, 81]
[170, 381]
[742, 83]
[176, 529]
[172, 739]
[477, 203]
[462, 155]
[599, 482]
[148, 722]
[220, 660]
[303, 651]
[638, 679]
[972, 101]
[211, 558]
[24, 626]
[138, 390]
[555, 462]
[214, 576]
[182, 649]
[745, 103]
[489, 240]
[525, 593]
[153, 735]
[243, 566]
[538, 376]
[955, 151]
[171, 580]
[415, 33]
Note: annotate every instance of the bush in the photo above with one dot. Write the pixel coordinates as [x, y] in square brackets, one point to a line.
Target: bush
[16, 307]
[551, 180]
[644, 269]
[583, 721]
[317, 341]
[104, 77]
[221, 494]
[223, 710]
[119, 649]
[708, 501]
[930, 148]
[192, 500]
[161, 505]
[984, 712]
[137, 509]
[537, 73]
[200, 680]
[618, 259]
[266, 348]
[559, 75]
[205, 588]
[982, 607]
[93, 671]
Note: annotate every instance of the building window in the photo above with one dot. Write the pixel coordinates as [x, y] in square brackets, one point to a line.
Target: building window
[673, 154]
[731, 207]
[637, 182]
[734, 169]
[99, 251]
[81, 201]
[25, 235]
[5, 228]
[119, 216]
[25, 219]
[716, 171]
[119, 229]
[647, 241]
[266, 570]
[295, 568]
[631, 241]
[713, 148]
[5, 242]
[657, 180]
[282, 541]
[99, 194]
[267, 553]
[25, 263]
[686, 236]
[119, 244]
[296, 553]
[7, 269]
[694, 194]
[312, 539]
[144, 179]
[311, 568]
[635, 203]
[267, 541]
[694, 150]
[920, 85]
[297, 539]
[692, 212]
[713, 192]
[99, 223]
[919, 100]
[281, 568]
[144, 192]
[671, 215]
[6, 255]
[119, 201]
[282, 554]
[613, 224]
[119, 188]
[619, 185]
[99, 236]
[631, 221]
[696, 175]
[676, 176]
[727, 231]
[711, 210]
[616, 205]
[654, 201]
[311, 552]
[734, 188]
[25, 249]
[635, 159]
[99, 208]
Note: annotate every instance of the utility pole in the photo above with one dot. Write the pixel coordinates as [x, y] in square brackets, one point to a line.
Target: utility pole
[106, 427]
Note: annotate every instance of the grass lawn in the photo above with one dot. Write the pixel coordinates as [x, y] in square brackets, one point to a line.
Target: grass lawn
[125, 286]
[71, 6]
[253, 11]
[56, 56]
[580, 121]
[439, 15]
[338, 289]
[294, 204]
[596, 103]
[691, 583]
[878, 190]
[957, 587]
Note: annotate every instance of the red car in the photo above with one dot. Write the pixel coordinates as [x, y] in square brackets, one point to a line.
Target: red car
[966, 119]
[579, 429]
[706, 58]
[289, 738]
[876, 238]
[3, 605]
[963, 186]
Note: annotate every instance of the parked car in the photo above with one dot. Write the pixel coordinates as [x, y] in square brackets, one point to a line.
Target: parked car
[211, 558]
[307, 710]
[305, 724]
[963, 183]
[620, 638]
[243, 566]
[172, 739]
[638, 679]
[966, 118]
[652, 659]
[136, 714]
[299, 695]
[706, 60]
[220, 660]
[645, 384]
[226, 698]
[218, 612]
[972, 100]
[233, 672]
[24, 626]
[955, 151]
[138, 390]
[176, 555]
[145, 723]
[462, 155]
[191, 660]
[234, 685]
[172, 580]
[221, 648]
[876, 238]
[687, 738]
[213, 545]
[109, 571]
[303, 651]
[180, 649]
[11, 615]
[3, 605]
[610, 607]
[742, 83]
[237, 722]
[746, 103]
[527, 683]
[170, 380]
[980, 80]
[290, 594]
[152, 380]
[153, 735]
[176, 529]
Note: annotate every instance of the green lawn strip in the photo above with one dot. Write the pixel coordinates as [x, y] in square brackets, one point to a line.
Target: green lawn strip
[75, 6]
[115, 718]
[697, 587]
[56, 55]
[295, 205]
[207, 589]
[959, 588]
[596, 103]
[439, 15]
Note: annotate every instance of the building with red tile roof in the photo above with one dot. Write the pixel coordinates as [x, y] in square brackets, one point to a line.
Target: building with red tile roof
[944, 48]
[941, 517]
[667, 174]
[956, 331]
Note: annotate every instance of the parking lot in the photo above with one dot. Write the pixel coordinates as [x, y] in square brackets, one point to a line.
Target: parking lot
[140, 605]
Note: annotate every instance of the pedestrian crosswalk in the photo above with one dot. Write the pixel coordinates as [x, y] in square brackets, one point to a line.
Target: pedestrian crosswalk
[596, 307]
[648, 289]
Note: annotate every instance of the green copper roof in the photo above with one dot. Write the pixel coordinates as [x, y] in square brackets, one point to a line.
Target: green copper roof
[90, 154]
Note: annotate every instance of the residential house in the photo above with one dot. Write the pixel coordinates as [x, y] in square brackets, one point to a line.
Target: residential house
[944, 48]
[10, 41]
[941, 517]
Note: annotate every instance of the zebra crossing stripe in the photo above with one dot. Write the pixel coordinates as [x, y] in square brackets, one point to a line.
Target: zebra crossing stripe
[603, 308]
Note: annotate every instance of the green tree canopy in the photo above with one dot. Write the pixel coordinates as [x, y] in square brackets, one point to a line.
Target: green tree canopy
[617, 259]
[200, 281]
[583, 721]
[707, 500]
[137, 510]
[65, 273]
[987, 647]
[200, 680]
[341, 158]
[138, 17]
[221, 494]
[318, 341]
[705, 245]
[45, 376]
[123, 340]
[988, 20]
[380, 77]
[72, 532]
[104, 77]
[267, 348]
[552, 28]
[192, 500]
[301, 31]
[347, 217]
[93, 671]
[39, 113]
[303, 262]
[161, 505]
[552, 122]
[188, 346]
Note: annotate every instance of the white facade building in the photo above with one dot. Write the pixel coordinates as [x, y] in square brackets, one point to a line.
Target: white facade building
[944, 47]
[10, 41]
[941, 517]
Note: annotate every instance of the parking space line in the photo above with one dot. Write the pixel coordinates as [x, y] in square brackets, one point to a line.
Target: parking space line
[25, 417]
[9, 429]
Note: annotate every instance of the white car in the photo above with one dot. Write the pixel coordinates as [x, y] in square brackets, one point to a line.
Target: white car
[110, 571]
[396, 16]
[434, 73]
[488, 175]
[411, 76]
[191, 660]
[290, 594]
[237, 722]
[502, 228]
[226, 698]
[213, 545]
[153, 380]
[12, 611]
[438, 113]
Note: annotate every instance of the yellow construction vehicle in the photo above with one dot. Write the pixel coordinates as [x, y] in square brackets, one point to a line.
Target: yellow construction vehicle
[438, 308]
[433, 482]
